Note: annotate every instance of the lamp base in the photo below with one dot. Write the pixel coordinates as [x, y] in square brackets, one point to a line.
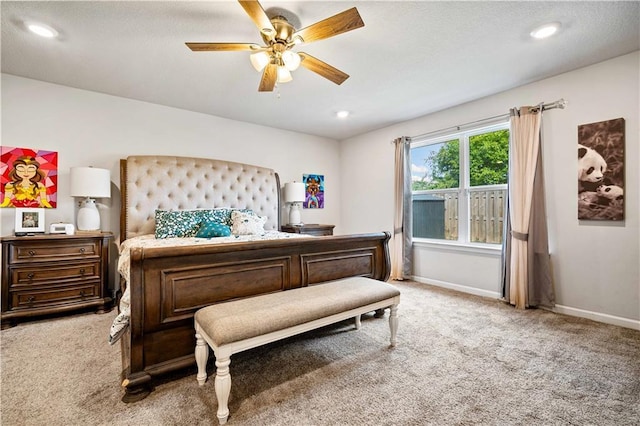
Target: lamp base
[88, 216]
[294, 214]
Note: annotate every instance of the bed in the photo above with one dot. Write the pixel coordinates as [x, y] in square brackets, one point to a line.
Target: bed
[165, 285]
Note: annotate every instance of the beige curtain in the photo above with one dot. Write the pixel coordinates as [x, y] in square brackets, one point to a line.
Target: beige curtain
[526, 263]
[402, 228]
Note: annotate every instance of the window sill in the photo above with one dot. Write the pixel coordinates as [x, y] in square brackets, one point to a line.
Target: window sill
[456, 246]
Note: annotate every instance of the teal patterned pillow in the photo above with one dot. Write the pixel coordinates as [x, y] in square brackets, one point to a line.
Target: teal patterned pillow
[221, 215]
[177, 223]
[213, 229]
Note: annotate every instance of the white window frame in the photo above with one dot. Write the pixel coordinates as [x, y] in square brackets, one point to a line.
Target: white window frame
[463, 242]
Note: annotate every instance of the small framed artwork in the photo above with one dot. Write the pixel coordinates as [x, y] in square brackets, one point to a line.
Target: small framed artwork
[314, 191]
[29, 220]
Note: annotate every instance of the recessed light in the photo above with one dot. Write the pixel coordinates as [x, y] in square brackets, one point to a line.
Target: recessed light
[41, 29]
[546, 30]
[342, 114]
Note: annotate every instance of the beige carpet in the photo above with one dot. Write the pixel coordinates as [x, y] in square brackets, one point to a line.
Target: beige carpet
[460, 360]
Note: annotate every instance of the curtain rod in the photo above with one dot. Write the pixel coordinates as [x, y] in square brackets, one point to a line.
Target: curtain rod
[560, 103]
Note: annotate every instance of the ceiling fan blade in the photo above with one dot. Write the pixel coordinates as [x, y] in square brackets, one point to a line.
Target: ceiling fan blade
[337, 24]
[322, 68]
[269, 76]
[259, 17]
[222, 47]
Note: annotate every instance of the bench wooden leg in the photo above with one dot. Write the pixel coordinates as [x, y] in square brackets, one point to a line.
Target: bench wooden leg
[358, 322]
[393, 323]
[202, 356]
[223, 388]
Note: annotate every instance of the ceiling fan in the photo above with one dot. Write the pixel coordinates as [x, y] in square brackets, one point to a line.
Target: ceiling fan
[276, 60]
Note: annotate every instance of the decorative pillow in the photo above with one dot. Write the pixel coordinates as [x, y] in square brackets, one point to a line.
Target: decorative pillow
[247, 223]
[221, 215]
[213, 229]
[177, 223]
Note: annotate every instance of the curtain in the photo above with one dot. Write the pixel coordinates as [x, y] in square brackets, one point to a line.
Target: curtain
[526, 265]
[402, 227]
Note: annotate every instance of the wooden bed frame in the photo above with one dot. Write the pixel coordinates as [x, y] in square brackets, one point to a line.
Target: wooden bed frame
[169, 284]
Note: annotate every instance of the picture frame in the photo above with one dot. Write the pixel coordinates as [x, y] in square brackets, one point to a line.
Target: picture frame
[29, 220]
[35, 171]
[601, 170]
[314, 191]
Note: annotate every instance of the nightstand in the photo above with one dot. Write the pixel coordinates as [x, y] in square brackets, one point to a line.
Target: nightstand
[309, 229]
[53, 274]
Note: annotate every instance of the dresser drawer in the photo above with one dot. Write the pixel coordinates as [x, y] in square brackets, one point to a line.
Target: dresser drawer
[54, 251]
[318, 232]
[30, 299]
[58, 274]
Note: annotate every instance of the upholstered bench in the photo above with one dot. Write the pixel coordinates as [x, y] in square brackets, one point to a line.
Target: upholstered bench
[243, 324]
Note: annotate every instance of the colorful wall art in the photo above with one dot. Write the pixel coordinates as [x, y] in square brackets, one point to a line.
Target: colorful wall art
[28, 178]
[314, 191]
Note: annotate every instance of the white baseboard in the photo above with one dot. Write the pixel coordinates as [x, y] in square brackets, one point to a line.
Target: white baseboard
[458, 287]
[560, 309]
[597, 316]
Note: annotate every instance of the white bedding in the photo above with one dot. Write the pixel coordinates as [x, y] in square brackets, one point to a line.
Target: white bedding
[121, 322]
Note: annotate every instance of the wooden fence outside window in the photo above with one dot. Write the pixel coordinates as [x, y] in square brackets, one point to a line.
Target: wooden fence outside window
[435, 215]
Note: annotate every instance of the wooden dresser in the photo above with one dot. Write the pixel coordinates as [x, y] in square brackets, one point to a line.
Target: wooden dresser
[309, 229]
[53, 274]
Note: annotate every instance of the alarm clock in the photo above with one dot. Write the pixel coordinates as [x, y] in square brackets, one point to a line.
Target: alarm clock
[62, 228]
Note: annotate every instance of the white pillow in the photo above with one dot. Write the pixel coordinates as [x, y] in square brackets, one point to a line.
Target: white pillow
[247, 223]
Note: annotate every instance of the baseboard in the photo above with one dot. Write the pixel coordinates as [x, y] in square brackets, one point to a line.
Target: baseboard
[560, 309]
[458, 287]
[597, 316]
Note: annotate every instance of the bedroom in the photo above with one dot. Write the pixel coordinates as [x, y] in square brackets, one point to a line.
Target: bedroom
[90, 128]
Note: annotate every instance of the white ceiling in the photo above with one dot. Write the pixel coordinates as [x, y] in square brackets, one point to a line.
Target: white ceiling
[410, 58]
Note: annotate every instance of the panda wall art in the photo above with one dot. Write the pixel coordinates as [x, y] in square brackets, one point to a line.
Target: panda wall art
[601, 170]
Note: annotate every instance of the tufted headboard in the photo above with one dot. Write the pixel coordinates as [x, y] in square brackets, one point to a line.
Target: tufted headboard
[150, 182]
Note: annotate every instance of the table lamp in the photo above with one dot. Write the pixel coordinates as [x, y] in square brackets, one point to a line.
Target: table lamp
[294, 194]
[89, 182]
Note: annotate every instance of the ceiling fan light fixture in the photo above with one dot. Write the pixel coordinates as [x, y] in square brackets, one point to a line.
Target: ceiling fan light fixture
[259, 60]
[284, 76]
[291, 60]
[273, 59]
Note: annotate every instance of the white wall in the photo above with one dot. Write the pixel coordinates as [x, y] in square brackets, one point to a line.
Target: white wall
[92, 129]
[595, 264]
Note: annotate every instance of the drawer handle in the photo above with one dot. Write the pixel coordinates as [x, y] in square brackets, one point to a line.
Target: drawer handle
[82, 250]
[82, 271]
[31, 299]
[30, 275]
[82, 293]
[32, 253]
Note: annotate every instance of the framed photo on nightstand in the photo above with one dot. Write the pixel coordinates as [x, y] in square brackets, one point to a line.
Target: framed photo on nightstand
[29, 220]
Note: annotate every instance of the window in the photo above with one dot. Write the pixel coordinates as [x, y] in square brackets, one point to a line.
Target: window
[459, 185]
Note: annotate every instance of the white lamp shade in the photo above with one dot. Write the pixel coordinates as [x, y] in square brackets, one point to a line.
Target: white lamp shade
[90, 182]
[291, 60]
[294, 192]
[259, 60]
[284, 76]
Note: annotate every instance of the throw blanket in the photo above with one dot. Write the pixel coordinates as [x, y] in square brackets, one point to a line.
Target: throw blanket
[121, 322]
